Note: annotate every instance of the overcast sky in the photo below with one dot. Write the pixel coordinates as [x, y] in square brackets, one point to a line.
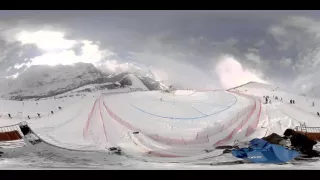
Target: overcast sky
[196, 49]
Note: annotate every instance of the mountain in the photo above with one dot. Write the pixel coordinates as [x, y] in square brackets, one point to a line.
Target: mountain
[256, 85]
[45, 81]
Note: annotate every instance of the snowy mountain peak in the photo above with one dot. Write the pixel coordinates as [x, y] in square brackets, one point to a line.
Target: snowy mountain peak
[42, 80]
[253, 84]
[133, 81]
[45, 81]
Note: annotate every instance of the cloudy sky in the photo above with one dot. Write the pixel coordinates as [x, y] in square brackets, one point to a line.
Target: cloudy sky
[195, 49]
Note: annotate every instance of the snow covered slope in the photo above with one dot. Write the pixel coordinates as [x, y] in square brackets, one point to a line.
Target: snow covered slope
[280, 114]
[134, 82]
[173, 127]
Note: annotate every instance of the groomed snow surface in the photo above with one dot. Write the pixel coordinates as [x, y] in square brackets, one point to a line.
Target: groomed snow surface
[174, 128]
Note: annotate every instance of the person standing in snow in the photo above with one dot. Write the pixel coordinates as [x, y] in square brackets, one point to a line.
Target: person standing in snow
[51, 112]
[10, 116]
[28, 117]
[39, 115]
[313, 103]
[301, 142]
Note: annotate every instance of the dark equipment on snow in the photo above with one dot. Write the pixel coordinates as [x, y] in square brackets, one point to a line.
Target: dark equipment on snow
[301, 143]
[261, 151]
[135, 132]
[273, 138]
[116, 150]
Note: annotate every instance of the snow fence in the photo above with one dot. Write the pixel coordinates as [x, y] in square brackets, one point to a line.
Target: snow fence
[202, 136]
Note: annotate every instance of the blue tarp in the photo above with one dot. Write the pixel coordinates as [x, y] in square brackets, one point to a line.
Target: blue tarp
[260, 151]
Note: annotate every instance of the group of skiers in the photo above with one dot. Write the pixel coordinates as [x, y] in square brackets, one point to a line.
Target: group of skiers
[38, 114]
[268, 101]
[318, 114]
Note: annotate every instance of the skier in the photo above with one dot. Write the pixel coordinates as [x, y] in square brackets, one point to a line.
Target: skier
[318, 113]
[60, 108]
[51, 112]
[28, 117]
[38, 115]
[313, 103]
[10, 116]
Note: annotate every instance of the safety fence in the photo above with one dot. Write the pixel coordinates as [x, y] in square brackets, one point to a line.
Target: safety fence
[256, 117]
[240, 126]
[253, 126]
[86, 127]
[202, 136]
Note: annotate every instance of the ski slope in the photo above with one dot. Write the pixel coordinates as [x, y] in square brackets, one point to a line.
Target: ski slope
[174, 129]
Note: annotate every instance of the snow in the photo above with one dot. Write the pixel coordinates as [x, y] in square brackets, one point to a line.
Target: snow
[173, 127]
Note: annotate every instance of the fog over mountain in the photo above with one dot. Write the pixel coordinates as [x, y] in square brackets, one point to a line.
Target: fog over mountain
[189, 49]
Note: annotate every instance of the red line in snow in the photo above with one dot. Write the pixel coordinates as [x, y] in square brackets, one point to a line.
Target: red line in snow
[85, 129]
[104, 128]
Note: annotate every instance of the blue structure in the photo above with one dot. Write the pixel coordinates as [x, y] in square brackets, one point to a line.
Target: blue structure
[261, 151]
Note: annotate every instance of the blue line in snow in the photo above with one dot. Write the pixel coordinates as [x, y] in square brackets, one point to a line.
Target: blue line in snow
[198, 110]
[192, 118]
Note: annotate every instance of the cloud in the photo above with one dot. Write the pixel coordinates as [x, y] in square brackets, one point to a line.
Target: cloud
[173, 71]
[55, 48]
[46, 40]
[286, 62]
[231, 73]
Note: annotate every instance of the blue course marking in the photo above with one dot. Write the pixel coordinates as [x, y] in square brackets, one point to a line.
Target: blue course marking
[198, 110]
[192, 118]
